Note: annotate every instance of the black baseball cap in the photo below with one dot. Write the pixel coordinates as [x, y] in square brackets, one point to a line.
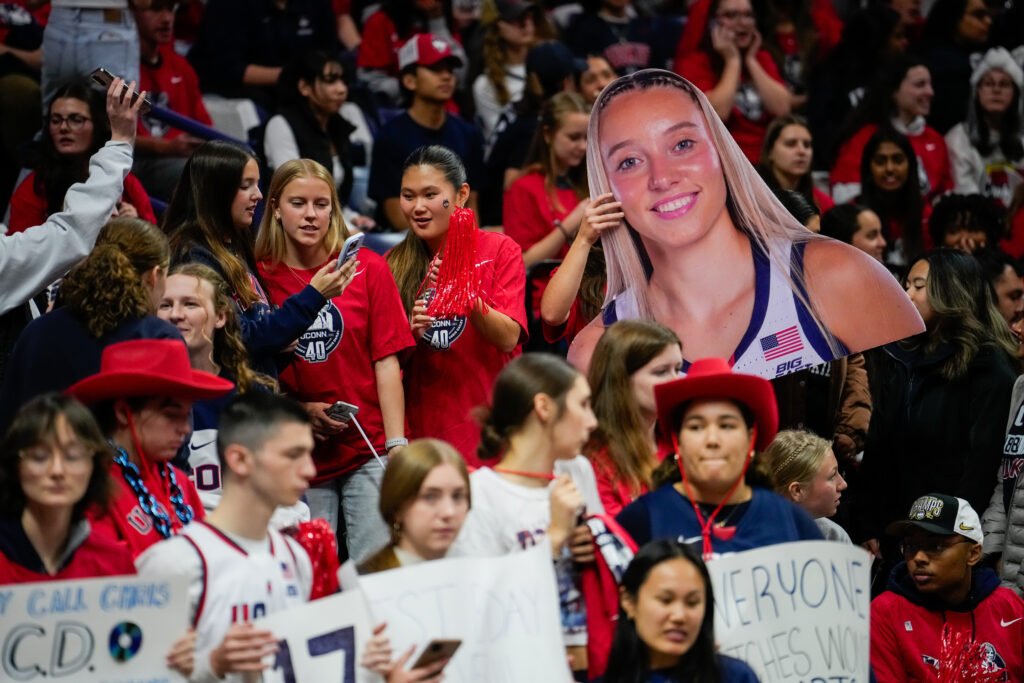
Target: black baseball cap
[940, 514]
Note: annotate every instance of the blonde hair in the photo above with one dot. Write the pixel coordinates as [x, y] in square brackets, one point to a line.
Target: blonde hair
[752, 206]
[271, 241]
[229, 350]
[794, 456]
[403, 478]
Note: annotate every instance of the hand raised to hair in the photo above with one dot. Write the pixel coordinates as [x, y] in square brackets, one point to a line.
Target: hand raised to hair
[723, 41]
[604, 213]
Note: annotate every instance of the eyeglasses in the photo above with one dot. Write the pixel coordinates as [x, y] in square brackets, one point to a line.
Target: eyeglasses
[732, 14]
[932, 548]
[40, 457]
[75, 121]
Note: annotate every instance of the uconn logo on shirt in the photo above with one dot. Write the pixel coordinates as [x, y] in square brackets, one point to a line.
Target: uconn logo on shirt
[322, 337]
[443, 332]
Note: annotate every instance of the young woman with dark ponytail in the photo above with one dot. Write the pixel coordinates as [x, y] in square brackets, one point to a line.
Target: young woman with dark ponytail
[538, 422]
[109, 297]
[456, 357]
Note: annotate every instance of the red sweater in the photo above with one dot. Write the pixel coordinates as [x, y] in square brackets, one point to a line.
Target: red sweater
[929, 146]
[906, 631]
[96, 555]
[28, 208]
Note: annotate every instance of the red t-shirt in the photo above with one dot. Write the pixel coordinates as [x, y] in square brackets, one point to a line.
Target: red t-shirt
[929, 146]
[334, 360]
[453, 367]
[822, 200]
[124, 518]
[342, 6]
[749, 119]
[173, 85]
[28, 208]
[528, 214]
[1014, 243]
[99, 555]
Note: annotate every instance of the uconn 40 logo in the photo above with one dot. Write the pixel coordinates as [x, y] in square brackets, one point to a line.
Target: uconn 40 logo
[322, 337]
[443, 332]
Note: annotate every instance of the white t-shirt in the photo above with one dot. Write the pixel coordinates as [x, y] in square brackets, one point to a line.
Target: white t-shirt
[507, 518]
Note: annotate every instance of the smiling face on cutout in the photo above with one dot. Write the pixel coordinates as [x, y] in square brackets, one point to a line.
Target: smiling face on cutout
[666, 173]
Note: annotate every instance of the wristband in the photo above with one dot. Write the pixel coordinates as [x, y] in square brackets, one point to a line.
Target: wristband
[391, 443]
[565, 233]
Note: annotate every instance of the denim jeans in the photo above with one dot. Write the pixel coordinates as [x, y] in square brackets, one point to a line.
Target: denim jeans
[77, 41]
[356, 495]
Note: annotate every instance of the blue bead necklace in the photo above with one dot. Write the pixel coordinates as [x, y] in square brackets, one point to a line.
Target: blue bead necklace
[133, 478]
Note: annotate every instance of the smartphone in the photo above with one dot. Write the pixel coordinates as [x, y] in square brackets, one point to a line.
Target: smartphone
[351, 247]
[341, 411]
[435, 651]
[105, 78]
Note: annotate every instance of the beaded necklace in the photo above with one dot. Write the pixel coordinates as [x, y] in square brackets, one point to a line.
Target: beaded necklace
[133, 478]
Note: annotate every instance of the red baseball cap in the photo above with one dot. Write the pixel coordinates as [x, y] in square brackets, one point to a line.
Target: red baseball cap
[148, 367]
[712, 378]
[425, 49]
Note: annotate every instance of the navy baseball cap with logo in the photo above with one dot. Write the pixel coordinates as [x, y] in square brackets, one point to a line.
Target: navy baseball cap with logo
[940, 514]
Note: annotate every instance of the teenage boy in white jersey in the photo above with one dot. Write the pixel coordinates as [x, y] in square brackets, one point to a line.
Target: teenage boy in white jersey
[238, 567]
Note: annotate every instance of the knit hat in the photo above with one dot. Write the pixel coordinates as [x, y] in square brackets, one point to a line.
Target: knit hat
[999, 58]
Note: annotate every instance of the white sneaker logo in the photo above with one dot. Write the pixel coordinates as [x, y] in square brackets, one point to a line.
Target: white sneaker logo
[1004, 624]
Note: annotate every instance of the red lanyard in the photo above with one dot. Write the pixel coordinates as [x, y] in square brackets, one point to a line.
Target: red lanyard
[706, 527]
[529, 475]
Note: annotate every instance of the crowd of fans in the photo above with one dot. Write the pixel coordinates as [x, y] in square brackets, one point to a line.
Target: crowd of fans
[186, 365]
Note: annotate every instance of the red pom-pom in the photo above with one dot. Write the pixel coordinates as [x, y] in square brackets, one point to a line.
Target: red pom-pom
[961, 660]
[317, 538]
[458, 283]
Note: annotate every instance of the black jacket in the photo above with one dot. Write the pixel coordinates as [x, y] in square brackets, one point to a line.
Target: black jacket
[315, 144]
[929, 434]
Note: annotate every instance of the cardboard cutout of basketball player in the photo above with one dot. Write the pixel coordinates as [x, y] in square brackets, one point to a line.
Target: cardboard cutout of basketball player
[707, 250]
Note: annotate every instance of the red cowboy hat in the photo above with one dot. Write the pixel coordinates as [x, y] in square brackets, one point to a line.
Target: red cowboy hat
[713, 378]
[148, 367]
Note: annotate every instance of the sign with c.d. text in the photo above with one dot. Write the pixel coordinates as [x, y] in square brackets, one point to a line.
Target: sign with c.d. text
[116, 628]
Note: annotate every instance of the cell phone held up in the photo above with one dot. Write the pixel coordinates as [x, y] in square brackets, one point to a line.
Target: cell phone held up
[341, 411]
[349, 250]
[435, 651]
[105, 78]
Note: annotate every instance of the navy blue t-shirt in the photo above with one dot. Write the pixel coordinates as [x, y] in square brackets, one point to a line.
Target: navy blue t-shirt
[401, 136]
[666, 513]
[730, 670]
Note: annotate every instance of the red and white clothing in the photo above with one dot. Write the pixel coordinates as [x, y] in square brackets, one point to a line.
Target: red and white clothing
[614, 491]
[89, 553]
[28, 208]
[932, 162]
[992, 174]
[749, 119]
[172, 83]
[453, 367]
[334, 359]
[231, 580]
[125, 519]
[906, 628]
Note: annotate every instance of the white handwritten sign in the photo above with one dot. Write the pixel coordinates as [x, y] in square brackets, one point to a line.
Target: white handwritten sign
[504, 609]
[116, 628]
[321, 640]
[796, 611]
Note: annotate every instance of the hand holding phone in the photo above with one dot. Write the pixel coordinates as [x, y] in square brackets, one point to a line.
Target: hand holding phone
[436, 650]
[341, 411]
[349, 250]
[105, 78]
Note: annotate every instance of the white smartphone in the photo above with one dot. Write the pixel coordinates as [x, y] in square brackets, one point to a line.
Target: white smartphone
[105, 78]
[351, 247]
[341, 411]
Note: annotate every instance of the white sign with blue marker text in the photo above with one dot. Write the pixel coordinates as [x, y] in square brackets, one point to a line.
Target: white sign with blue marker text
[117, 628]
[796, 612]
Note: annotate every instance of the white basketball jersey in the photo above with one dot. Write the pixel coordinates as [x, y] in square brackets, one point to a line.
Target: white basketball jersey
[781, 337]
[242, 586]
